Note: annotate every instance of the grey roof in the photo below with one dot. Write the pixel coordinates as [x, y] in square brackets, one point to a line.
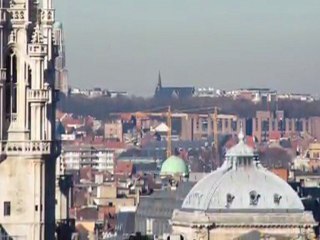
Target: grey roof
[146, 167]
[177, 92]
[125, 223]
[159, 206]
[152, 205]
[177, 144]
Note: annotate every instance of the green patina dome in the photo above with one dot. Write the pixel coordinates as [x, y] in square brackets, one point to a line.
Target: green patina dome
[174, 166]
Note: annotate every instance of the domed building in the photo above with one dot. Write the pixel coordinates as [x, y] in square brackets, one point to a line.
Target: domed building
[241, 198]
[174, 166]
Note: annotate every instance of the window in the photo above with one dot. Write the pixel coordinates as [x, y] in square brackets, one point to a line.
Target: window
[226, 123]
[204, 126]
[265, 125]
[149, 226]
[197, 124]
[219, 125]
[6, 208]
[299, 125]
[234, 125]
[230, 198]
[289, 125]
[277, 198]
[254, 198]
[281, 125]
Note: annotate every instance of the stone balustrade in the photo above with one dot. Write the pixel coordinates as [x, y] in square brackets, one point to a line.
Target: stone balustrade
[27, 147]
[39, 50]
[38, 95]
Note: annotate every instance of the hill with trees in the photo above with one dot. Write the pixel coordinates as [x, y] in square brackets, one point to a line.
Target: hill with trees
[102, 107]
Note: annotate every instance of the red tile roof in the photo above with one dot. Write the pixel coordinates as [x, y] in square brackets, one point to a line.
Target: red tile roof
[59, 114]
[250, 141]
[72, 121]
[86, 173]
[124, 168]
[88, 213]
[274, 135]
[230, 143]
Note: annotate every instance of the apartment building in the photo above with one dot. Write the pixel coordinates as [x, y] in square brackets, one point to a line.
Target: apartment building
[267, 122]
[201, 126]
[113, 130]
[75, 157]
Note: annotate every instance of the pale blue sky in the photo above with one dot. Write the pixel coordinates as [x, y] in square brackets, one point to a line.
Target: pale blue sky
[121, 44]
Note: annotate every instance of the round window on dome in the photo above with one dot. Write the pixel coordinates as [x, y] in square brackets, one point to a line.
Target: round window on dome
[276, 198]
[254, 198]
[230, 199]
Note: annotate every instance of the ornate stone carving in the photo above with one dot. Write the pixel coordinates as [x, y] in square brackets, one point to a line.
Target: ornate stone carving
[38, 95]
[12, 3]
[26, 147]
[47, 16]
[13, 36]
[17, 15]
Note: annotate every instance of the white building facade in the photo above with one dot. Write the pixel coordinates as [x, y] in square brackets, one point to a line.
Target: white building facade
[97, 157]
[27, 118]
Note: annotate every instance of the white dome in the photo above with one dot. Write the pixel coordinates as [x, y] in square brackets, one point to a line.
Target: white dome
[242, 184]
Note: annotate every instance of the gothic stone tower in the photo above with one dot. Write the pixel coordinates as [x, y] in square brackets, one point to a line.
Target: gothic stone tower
[27, 115]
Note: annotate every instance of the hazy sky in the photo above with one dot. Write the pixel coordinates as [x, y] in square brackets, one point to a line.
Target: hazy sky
[122, 44]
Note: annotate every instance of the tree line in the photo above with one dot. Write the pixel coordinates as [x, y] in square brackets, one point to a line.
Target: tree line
[103, 107]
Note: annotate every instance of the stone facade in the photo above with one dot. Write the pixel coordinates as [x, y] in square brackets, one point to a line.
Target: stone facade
[27, 118]
[225, 226]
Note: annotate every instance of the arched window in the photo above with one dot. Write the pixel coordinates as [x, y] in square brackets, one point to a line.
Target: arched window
[11, 85]
[29, 77]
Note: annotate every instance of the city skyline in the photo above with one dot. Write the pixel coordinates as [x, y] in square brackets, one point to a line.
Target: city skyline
[224, 44]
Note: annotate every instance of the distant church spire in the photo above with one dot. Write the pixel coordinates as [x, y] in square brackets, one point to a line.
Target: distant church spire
[159, 81]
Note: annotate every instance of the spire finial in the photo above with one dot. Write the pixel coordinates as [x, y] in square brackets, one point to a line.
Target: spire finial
[159, 80]
[38, 16]
[37, 36]
[241, 134]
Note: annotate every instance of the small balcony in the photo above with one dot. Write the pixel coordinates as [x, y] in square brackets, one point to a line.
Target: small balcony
[37, 50]
[27, 148]
[38, 95]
